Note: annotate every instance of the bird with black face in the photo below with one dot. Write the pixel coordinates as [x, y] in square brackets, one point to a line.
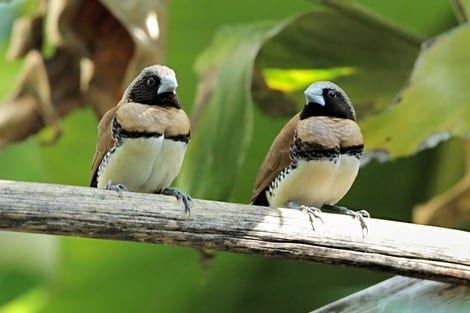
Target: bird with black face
[315, 159]
[142, 140]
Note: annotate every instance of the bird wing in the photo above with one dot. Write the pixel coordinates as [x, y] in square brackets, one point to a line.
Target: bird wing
[104, 144]
[276, 160]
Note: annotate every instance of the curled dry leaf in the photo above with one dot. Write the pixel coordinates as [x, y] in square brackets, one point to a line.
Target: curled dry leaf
[146, 22]
[35, 105]
[107, 36]
[27, 34]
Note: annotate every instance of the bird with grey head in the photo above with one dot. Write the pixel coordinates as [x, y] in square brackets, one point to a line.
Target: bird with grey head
[314, 160]
[142, 140]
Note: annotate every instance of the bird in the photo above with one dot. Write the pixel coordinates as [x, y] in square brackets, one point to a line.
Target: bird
[314, 160]
[143, 139]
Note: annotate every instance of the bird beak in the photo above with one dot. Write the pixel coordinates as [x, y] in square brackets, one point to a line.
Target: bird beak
[314, 94]
[167, 84]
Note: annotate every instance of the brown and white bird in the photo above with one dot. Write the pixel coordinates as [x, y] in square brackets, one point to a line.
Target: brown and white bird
[142, 140]
[314, 160]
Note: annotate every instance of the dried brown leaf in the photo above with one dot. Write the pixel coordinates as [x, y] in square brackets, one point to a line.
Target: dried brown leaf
[35, 105]
[116, 38]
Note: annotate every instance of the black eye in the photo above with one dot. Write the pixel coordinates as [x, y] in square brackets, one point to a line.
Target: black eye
[151, 82]
[332, 94]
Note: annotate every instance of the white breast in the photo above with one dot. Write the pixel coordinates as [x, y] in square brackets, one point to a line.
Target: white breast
[166, 166]
[144, 164]
[316, 182]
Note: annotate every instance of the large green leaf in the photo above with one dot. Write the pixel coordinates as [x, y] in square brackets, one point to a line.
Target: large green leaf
[435, 103]
[301, 46]
[369, 58]
[222, 117]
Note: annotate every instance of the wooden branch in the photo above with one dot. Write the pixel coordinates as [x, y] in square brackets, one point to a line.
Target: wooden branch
[403, 294]
[402, 248]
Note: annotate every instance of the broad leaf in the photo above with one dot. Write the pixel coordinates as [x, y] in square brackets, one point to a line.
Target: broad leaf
[223, 115]
[370, 60]
[433, 106]
[293, 54]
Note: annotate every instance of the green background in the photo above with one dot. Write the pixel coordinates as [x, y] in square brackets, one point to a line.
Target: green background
[40, 273]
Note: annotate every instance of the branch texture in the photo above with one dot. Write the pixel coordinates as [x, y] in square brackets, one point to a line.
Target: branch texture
[403, 294]
[401, 248]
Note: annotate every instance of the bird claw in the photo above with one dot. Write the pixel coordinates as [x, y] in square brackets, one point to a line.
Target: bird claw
[312, 212]
[116, 187]
[359, 215]
[312, 215]
[170, 191]
[364, 213]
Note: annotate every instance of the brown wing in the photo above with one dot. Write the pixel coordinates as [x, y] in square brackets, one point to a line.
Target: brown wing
[104, 144]
[276, 160]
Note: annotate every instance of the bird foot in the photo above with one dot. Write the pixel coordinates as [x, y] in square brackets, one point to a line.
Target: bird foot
[171, 191]
[117, 187]
[312, 212]
[359, 215]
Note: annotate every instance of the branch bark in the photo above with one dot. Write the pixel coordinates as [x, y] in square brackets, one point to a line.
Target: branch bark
[408, 249]
[403, 294]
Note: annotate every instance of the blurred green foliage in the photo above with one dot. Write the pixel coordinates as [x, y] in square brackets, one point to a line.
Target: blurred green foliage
[436, 91]
[105, 276]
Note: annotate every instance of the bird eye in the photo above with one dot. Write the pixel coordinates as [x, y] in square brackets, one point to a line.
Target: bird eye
[151, 82]
[332, 94]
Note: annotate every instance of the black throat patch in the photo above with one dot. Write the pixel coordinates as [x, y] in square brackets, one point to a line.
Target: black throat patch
[167, 99]
[332, 110]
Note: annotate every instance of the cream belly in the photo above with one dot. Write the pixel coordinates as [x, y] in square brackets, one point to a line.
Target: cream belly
[316, 182]
[143, 164]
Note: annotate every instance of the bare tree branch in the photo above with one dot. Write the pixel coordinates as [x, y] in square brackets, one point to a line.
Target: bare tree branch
[402, 248]
[403, 294]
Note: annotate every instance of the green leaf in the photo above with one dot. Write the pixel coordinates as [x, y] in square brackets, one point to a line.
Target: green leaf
[292, 79]
[223, 111]
[368, 57]
[223, 119]
[433, 106]
[462, 10]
